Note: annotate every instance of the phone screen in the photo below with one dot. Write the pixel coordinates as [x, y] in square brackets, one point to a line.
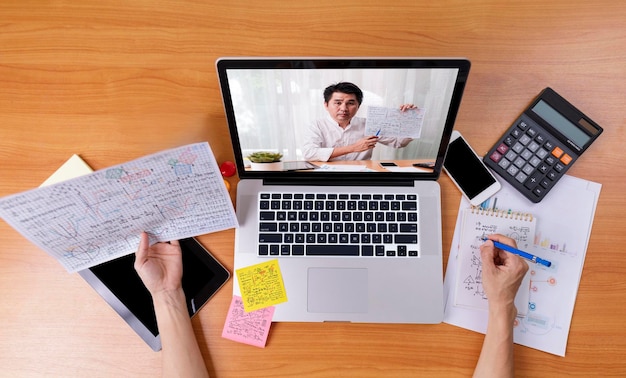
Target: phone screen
[468, 171]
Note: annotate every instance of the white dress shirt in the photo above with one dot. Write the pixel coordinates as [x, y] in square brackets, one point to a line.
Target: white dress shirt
[325, 134]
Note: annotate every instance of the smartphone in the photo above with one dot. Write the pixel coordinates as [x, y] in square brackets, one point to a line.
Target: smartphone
[386, 164]
[468, 172]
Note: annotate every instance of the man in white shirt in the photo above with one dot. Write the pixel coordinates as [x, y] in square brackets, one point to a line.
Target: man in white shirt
[341, 135]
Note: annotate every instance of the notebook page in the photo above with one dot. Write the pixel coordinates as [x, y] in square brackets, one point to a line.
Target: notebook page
[478, 224]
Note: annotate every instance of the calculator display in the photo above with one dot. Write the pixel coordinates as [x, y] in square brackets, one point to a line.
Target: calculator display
[562, 124]
[541, 145]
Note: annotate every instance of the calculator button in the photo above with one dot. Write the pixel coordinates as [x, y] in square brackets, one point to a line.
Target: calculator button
[552, 175]
[532, 132]
[559, 167]
[518, 147]
[504, 163]
[543, 168]
[526, 154]
[557, 152]
[519, 162]
[525, 139]
[550, 160]
[509, 140]
[533, 146]
[541, 153]
[540, 139]
[512, 170]
[532, 181]
[511, 155]
[546, 183]
[566, 159]
[534, 161]
[521, 177]
[523, 125]
[516, 133]
[538, 191]
[495, 156]
[528, 169]
[549, 145]
[503, 148]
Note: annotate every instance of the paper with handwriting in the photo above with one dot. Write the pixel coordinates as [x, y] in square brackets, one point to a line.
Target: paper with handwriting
[552, 290]
[97, 217]
[394, 123]
[477, 225]
[247, 327]
[261, 285]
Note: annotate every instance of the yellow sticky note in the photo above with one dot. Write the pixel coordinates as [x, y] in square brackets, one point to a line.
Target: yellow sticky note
[261, 285]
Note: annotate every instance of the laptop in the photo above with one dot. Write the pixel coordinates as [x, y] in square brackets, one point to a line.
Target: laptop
[357, 236]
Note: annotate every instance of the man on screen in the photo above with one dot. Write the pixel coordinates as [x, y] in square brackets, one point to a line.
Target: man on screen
[341, 136]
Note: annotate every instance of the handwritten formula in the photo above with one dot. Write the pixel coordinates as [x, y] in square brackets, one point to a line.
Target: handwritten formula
[261, 285]
[94, 218]
[393, 123]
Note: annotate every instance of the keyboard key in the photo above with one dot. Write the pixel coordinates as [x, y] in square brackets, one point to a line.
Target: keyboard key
[408, 227]
[409, 206]
[405, 239]
[270, 238]
[265, 227]
[334, 250]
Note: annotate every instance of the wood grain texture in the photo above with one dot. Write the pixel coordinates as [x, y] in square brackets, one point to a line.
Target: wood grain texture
[116, 80]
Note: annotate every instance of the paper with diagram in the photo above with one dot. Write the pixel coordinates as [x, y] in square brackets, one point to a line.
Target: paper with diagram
[564, 221]
[394, 123]
[477, 224]
[97, 217]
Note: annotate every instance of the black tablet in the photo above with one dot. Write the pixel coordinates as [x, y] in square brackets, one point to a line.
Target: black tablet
[120, 286]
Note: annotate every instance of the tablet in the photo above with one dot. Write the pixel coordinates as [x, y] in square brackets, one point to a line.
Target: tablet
[120, 286]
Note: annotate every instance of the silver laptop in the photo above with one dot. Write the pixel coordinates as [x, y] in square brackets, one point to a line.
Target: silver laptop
[338, 160]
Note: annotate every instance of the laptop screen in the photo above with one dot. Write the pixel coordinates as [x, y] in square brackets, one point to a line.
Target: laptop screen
[356, 118]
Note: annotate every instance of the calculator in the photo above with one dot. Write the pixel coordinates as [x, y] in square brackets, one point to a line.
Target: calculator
[542, 144]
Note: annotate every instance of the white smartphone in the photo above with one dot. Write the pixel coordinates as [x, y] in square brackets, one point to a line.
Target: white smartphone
[468, 172]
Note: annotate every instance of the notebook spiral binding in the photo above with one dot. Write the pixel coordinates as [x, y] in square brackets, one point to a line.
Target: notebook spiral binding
[503, 213]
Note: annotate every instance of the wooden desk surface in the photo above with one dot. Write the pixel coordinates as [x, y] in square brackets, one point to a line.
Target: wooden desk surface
[113, 81]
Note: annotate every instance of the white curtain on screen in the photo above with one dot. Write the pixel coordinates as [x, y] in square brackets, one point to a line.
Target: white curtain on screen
[274, 107]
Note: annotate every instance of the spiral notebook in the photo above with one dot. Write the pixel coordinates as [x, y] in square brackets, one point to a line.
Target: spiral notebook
[477, 224]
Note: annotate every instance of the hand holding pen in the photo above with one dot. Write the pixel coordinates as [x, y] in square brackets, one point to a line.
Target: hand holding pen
[502, 272]
[526, 255]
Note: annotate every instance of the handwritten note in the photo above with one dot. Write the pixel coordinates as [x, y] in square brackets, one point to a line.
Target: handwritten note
[393, 123]
[261, 285]
[247, 327]
[97, 217]
[477, 224]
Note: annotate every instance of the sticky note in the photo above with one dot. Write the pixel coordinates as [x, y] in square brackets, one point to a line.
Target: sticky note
[261, 285]
[249, 328]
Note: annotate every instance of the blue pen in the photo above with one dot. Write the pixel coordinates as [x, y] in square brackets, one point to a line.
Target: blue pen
[377, 133]
[523, 254]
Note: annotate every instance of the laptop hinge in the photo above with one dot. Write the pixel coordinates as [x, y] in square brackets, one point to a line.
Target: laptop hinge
[283, 182]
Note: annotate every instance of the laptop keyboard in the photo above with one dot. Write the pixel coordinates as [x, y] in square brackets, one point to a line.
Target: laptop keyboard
[316, 224]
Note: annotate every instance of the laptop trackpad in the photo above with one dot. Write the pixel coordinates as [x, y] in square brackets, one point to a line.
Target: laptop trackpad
[337, 290]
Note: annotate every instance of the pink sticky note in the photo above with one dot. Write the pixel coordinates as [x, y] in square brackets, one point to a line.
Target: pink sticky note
[247, 327]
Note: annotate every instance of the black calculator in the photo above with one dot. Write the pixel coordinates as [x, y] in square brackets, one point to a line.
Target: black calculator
[542, 144]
